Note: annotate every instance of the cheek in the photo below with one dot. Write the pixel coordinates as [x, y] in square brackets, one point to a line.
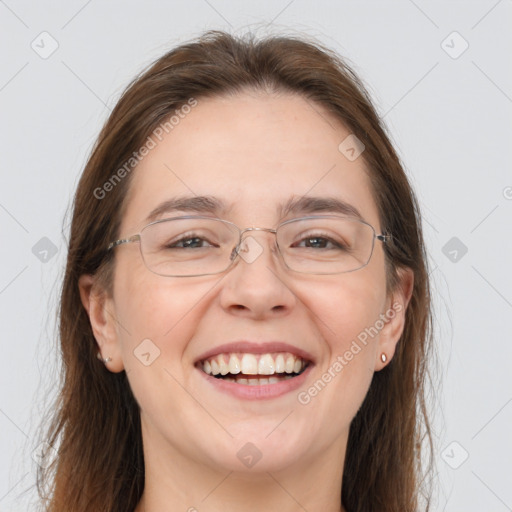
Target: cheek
[144, 305]
[346, 312]
[163, 310]
[343, 310]
[157, 317]
[346, 307]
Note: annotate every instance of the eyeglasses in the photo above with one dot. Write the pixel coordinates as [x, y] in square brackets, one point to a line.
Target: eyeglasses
[199, 246]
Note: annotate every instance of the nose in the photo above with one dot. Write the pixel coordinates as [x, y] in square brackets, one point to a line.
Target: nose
[257, 285]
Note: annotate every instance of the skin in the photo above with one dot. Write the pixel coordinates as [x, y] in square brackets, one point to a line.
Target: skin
[254, 150]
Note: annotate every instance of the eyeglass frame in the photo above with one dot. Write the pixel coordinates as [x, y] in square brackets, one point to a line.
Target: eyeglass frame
[384, 238]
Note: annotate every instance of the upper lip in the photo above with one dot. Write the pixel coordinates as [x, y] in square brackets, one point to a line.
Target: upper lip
[252, 347]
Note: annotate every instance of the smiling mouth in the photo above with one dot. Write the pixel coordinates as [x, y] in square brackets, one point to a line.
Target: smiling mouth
[254, 370]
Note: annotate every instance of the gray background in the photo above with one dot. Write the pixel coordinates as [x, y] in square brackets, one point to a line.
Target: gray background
[448, 112]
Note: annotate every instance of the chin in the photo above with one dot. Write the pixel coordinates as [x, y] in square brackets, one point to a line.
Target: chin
[254, 452]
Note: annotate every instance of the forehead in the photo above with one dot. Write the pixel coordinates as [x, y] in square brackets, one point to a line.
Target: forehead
[255, 152]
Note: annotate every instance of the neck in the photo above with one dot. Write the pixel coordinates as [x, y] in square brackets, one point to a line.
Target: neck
[232, 492]
[174, 481]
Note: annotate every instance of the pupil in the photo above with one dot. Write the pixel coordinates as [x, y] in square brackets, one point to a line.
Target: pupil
[192, 242]
[317, 242]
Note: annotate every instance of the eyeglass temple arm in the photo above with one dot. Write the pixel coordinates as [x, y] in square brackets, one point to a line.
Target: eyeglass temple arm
[133, 238]
[383, 238]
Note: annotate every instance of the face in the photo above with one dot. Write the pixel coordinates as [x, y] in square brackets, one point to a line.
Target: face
[253, 152]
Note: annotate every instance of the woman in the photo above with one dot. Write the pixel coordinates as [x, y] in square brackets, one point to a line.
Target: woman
[247, 262]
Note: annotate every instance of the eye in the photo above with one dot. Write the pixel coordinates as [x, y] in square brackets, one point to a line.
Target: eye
[189, 242]
[319, 242]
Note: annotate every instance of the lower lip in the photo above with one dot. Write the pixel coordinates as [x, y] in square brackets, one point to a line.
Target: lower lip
[265, 391]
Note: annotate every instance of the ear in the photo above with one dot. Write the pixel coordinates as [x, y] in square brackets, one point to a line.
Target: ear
[101, 311]
[394, 317]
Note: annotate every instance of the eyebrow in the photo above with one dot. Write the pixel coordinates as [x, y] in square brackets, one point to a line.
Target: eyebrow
[195, 204]
[215, 206]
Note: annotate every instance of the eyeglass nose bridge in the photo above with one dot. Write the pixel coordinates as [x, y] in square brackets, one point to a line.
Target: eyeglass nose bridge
[236, 249]
[257, 229]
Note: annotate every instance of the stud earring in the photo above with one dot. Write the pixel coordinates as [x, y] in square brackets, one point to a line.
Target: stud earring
[104, 361]
[383, 357]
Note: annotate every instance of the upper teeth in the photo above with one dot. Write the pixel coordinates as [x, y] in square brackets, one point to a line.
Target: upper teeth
[251, 364]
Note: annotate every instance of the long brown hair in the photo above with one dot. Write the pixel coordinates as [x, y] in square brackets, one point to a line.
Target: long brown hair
[95, 422]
